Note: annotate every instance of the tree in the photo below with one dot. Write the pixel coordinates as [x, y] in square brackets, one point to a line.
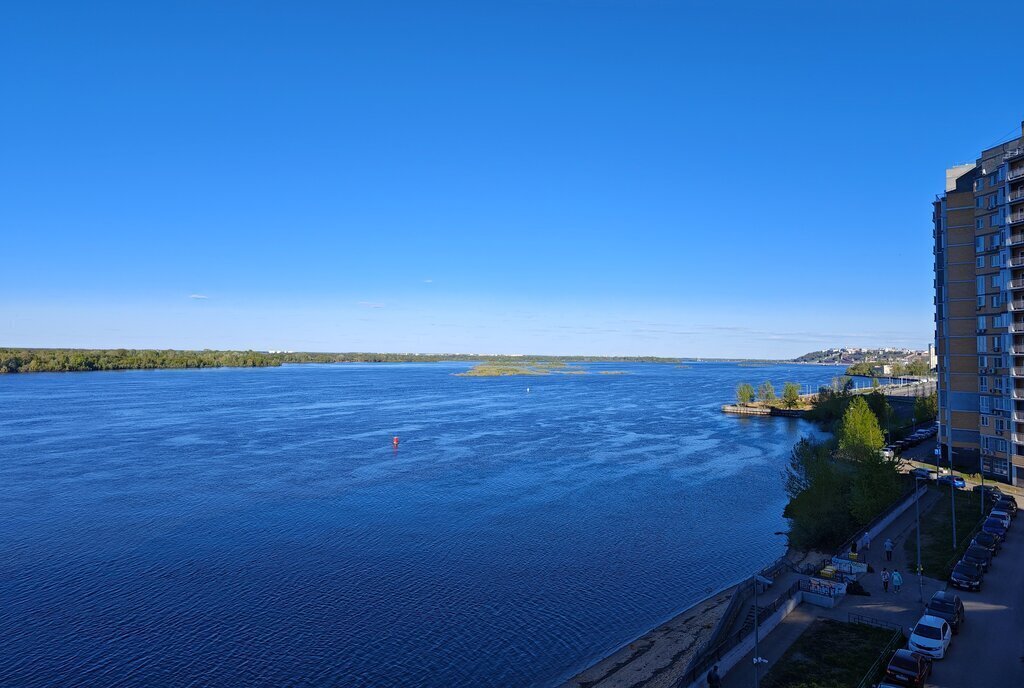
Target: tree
[819, 498]
[879, 405]
[766, 392]
[896, 369]
[875, 384]
[926, 408]
[859, 435]
[791, 395]
[745, 394]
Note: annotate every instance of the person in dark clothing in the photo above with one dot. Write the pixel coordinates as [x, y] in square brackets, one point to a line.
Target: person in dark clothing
[714, 680]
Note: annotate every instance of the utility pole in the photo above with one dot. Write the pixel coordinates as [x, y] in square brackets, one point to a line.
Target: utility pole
[917, 508]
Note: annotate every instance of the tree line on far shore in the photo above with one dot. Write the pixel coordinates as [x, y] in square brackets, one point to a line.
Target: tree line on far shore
[80, 360]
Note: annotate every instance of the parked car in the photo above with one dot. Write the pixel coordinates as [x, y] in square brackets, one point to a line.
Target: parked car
[908, 668]
[1003, 516]
[994, 526]
[954, 480]
[982, 556]
[1003, 497]
[966, 576]
[924, 474]
[989, 541]
[991, 492]
[1007, 505]
[947, 605]
[887, 453]
[931, 636]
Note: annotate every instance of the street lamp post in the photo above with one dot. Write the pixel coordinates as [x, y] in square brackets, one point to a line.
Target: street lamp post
[952, 492]
[917, 508]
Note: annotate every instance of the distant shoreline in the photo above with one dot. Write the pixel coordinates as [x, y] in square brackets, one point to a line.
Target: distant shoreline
[38, 360]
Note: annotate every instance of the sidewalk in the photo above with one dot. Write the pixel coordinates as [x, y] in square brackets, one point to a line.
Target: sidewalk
[901, 608]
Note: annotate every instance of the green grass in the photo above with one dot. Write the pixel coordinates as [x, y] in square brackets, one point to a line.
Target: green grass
[937, 553]
[829, 654]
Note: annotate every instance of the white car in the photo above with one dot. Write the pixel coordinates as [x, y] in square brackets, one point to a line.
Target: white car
[931, 637]
[1003, 516]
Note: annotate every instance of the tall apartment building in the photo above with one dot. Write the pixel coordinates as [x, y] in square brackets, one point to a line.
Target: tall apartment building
[979, 312]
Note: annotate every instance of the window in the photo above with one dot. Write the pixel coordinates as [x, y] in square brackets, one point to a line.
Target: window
[981, 326]
[983, 361]
[984, 421]
[979, 223]
[982, 344]
[997, 260]
[995, 281]
[986, 403]
[995, 301]
[979, 284]
[979, 262]
[982, 384]
[1000, 425]
[979, 244]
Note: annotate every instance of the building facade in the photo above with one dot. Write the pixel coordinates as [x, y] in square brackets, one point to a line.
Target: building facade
[979, 312]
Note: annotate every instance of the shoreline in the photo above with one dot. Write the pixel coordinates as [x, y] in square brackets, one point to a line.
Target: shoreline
[656, 658]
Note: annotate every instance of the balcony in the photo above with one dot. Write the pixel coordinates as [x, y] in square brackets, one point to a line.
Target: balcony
[1015, 219]
[1016, 174]
[1015, 240]
[1016, 196]
[1017, 327]
[1011, 154]
[1017, 393]
[1017, 439]
[1015, 306]
[1017, 372]
[1015, 284]
[1017, 262]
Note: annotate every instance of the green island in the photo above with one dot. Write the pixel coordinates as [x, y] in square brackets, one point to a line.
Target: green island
[36, 360]
[532, 367]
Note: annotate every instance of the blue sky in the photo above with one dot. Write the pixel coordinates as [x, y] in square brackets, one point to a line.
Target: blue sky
[605, 177]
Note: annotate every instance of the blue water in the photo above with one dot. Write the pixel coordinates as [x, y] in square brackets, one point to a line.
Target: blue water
[244, 527]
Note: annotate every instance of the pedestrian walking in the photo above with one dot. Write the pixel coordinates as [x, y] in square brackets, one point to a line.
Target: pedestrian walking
[888, 549]
[866, 544]
[897, 580]
[714, 680]
[885, 580]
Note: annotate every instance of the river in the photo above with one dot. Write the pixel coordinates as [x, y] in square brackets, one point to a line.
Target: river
[251, 527]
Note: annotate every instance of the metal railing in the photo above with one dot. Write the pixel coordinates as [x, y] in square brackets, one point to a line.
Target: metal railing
[1017, 372]
[708, 659]
[1014, 174]
[1013, 153]
[874, 673]
[1014, 219]
[1015, 240]
[1016, 196]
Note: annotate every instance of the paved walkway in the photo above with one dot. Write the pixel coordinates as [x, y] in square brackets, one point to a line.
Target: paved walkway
[902, 608]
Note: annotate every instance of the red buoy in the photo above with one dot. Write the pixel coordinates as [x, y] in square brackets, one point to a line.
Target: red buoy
[394, 442]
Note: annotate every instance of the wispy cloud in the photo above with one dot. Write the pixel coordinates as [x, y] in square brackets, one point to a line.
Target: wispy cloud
[198, 296]
[370, 304]
[428, 281]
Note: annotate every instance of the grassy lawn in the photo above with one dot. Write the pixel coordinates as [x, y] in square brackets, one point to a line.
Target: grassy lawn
[937, 533]
[829, 654]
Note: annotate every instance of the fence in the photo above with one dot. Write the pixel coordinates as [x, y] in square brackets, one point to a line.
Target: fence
[883, 658]
[709, 658]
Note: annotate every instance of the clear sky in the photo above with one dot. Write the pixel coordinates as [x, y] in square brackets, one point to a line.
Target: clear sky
[571, 176]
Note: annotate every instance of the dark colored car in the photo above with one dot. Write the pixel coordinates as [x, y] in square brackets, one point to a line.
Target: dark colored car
[966, 576]
[908, 668]
[1008, 505]
[994, 526]
[991, 492]
[982, 556]
[989, 541]
[954, 480]
[947, 605]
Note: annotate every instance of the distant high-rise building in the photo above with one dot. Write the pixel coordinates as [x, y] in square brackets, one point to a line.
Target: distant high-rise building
[979, 312]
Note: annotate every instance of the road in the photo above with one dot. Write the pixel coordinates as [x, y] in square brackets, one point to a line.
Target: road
[990, 648]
